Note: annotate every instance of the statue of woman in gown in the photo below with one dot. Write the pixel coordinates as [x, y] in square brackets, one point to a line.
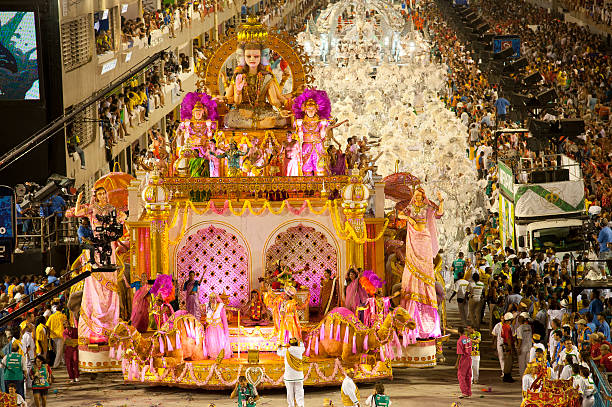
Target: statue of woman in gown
[418, 280]
[254, 91]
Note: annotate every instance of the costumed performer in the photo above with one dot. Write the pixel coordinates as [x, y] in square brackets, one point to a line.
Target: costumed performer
[284, 309]
[191, 287]
[141, 305]
[418, 280]
[233, 155]
[255, 311]
[217, 331]
[312, 110]
[376, 307]
[163, 292]
[254, 90]
[355, 294]
[330, 292]
[291, 158]
[100, 304]
[294, 371]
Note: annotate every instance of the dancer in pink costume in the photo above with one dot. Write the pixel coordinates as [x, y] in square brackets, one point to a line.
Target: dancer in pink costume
[377, 308]
[100, 305]
[217, 331]
[418, 281]
[356, 295]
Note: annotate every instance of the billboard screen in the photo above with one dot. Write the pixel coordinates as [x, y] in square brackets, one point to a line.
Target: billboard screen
[501, 42]
[18, 56]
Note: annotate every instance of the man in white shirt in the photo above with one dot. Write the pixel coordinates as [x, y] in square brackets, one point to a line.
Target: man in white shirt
[27, 342]
[461, 287]
[570, 349]
[528, 379]
[535, 346]
[524, 336]
[499, 341]
[475, 290]
[349, 391]
[294, 374]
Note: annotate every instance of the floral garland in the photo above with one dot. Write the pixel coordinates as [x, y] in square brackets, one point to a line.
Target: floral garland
[345, 232]
[130, 369]
[348, 231]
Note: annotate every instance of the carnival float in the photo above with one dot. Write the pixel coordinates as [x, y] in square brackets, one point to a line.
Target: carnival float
[374, 32]
[256, 231]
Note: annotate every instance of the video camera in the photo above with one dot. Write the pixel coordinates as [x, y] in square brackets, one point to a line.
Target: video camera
[110, 230]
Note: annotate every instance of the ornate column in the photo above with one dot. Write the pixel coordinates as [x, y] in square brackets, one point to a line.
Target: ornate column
[355, 202]
[156, 197]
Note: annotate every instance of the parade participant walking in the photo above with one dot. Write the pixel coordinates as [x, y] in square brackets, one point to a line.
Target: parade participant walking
[245, 392]
[294, 374]
[56, 327]
[42, 378]
[15, 369]
[464, 364]
[524, 336]
[507, 347]
[71, 351]
[378, 398]
[476, 338]
[349, 390]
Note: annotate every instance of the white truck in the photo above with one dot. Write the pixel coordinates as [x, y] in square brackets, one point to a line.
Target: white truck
[541, 205]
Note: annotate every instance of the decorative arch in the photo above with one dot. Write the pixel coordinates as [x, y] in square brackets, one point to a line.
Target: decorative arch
[220, 259]
[298, 246]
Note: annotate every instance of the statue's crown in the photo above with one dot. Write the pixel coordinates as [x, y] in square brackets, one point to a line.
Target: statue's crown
[252, 32]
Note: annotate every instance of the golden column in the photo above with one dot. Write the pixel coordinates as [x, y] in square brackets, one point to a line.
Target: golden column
[354, 204]
[156, 197]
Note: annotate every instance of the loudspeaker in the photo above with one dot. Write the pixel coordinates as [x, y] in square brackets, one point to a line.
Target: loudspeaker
[547, 96]
[532, 79]
[506, 53]
[572, 127]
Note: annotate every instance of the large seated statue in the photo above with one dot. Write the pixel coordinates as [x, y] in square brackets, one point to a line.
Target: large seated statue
[254, 91]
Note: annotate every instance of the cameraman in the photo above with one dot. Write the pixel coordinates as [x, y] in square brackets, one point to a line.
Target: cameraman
[604, 238]
[84, 232]
[246, 393]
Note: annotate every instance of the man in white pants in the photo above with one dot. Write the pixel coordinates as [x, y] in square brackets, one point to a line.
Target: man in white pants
[499, 341]
[294, 375]
[475, 337]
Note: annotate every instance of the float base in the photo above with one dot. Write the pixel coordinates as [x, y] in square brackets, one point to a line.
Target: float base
[207, 374]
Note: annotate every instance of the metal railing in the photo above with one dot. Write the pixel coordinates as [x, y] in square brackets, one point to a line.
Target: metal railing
[602, 386]
[44, 232]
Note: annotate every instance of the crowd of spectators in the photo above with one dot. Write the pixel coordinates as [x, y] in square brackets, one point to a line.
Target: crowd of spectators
[528, 295]
[599, 11]
[39, 340]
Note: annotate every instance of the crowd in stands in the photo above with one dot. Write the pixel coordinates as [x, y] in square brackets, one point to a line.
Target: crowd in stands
[599, 11]
[528, 295]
